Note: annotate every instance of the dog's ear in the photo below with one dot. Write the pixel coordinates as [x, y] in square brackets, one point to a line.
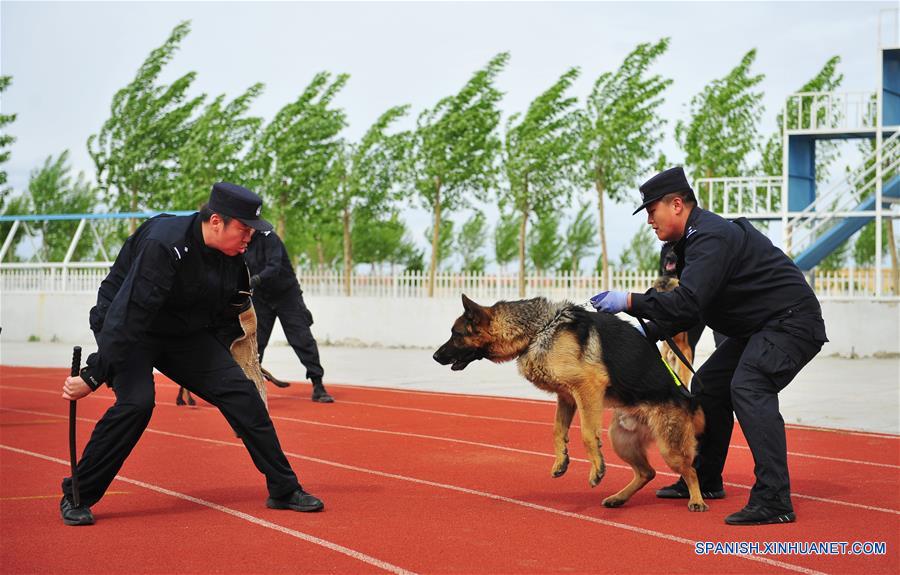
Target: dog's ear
[474, 312]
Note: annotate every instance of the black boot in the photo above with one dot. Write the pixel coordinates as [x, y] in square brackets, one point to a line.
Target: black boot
[319, 394]
[679, 490]
[72, 515]
[754, 514]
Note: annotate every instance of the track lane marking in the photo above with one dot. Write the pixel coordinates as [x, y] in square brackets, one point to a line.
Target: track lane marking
[506, 420]
[487, 446]
[446, 486]
[359, 556]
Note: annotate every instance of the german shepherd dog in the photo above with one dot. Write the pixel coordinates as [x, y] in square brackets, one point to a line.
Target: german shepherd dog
[589, 360]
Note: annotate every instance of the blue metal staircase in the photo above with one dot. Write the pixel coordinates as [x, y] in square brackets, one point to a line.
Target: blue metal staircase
[837, 234]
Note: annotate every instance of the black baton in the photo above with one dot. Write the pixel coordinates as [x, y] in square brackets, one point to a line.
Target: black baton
[76, 368]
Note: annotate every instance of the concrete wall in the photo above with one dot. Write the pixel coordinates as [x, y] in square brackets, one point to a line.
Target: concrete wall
[854, 327]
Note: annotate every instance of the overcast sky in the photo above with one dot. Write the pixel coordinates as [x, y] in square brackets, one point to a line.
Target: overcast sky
[68, 59]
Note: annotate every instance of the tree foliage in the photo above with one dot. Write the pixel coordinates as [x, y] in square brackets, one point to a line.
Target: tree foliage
[642, 252]
[581, 236]
[470, 243]
[538, 155]
[454, 148]
[723, 128]
[215, 147]
[621, 131]
[506, 239]
[545, 246]
[136, 151]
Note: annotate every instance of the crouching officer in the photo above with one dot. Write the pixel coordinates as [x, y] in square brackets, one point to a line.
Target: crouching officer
[171, 302]
[735, 281]
[277, 293]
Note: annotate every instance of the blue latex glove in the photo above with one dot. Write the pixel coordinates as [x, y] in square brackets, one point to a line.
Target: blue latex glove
[610, 301]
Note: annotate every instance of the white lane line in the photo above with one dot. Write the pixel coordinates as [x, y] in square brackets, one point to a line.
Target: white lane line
[456, 488]
[496, 447]
[240, 515]
[506, 420]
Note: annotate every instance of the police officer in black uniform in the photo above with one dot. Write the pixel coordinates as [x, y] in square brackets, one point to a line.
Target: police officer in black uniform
[277, 293]
[171, 302]
[735, 281]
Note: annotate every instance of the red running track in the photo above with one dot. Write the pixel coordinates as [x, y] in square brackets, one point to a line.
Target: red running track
[413, 482]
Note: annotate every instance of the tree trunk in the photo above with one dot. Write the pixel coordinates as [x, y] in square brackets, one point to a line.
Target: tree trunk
[435, 236]
[892, 249]
[523, 225]
[604, 266]
[348, 251]
[132, 222]
[282, 219]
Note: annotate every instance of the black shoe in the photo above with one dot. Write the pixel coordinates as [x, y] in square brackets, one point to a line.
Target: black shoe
[299, 500]
[72, 515]
[759, 515]
[679, 490]
[319, 394]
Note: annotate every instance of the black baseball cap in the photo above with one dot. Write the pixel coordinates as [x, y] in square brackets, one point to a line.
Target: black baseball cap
[240, 203]
[664, 183]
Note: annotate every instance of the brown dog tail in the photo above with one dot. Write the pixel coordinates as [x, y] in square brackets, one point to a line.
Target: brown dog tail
[699, 421]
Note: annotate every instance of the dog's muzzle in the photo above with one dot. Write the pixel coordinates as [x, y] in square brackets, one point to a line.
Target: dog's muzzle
[458, 359]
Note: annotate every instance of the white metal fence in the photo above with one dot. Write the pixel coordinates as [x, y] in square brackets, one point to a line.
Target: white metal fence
[86, 277]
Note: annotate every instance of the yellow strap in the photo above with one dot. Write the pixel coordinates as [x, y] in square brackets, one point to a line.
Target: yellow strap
[672, 373]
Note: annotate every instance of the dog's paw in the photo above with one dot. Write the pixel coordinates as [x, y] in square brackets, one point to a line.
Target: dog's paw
[698, 506]
[597, 473]
[560, 466]
[614, 501]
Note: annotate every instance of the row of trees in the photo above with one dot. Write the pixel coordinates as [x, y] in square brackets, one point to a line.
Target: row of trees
[337, 201]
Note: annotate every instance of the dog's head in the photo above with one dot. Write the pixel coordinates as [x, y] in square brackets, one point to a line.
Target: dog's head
[665, 283]
[470, 337]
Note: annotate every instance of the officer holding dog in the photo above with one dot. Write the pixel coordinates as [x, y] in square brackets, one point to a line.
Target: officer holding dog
[277, 293]
[171, 301]
[733, 279]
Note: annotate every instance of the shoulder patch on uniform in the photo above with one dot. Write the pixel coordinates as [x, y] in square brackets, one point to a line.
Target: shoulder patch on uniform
[690, 231]
[177, 253]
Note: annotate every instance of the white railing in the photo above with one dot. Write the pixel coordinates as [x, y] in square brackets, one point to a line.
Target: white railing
[741, 197]
[86, 278]
[830, 112]
[52, 277]
[488, 287]
[804, 227]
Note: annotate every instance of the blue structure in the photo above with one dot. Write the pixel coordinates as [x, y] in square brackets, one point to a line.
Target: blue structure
[811, 117]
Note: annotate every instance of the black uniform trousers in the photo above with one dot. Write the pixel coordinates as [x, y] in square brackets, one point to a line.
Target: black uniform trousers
[203, 365]
[743, 377]
[295, 321]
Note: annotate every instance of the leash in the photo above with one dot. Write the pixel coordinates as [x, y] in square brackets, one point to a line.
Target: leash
[682, 388]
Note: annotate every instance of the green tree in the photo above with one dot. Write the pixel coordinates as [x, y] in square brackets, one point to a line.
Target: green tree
[215, 147]
[621, 132]
[454, 150]
[538, 153]
[365, 176]
[294, 159]
[379, 240]
[506, 239]
[445, 244]
[545, 247]
[470, 242]
[136, 151]
[642, 252]
[6, 140]
[51, 190]
[580, 237]
[723, 127]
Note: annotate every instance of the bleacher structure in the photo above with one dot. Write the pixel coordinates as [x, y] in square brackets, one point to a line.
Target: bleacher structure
[815, 224]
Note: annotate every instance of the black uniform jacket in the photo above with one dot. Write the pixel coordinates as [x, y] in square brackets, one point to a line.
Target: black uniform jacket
[267, 258]
[733, 279]
[165, 282]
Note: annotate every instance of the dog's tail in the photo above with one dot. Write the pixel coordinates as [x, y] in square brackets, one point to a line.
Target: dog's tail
[699, 421]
